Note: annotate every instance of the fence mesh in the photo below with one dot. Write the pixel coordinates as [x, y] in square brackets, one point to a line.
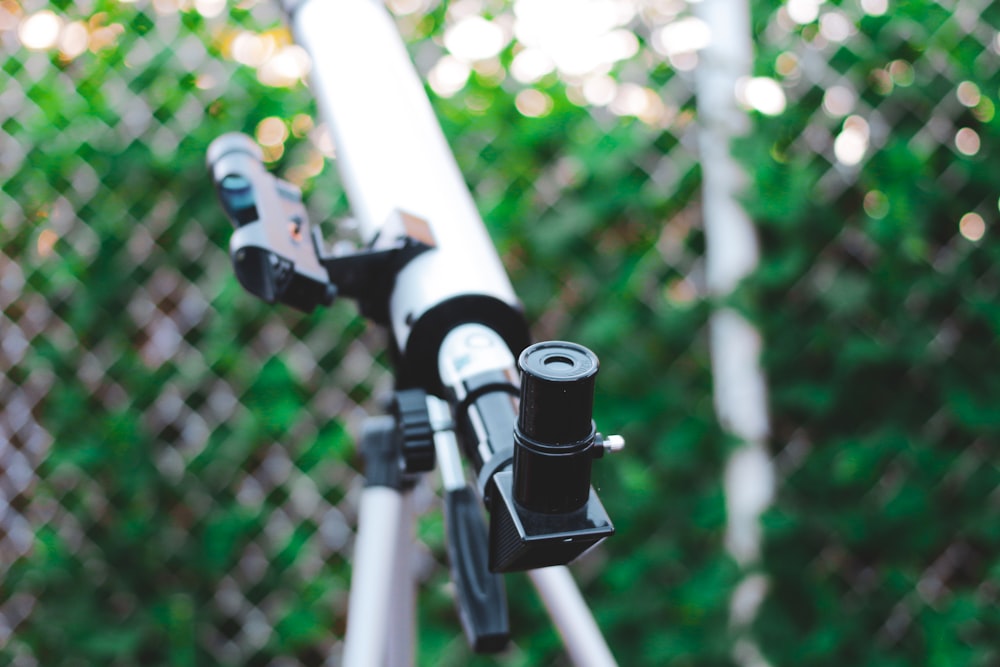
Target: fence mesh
[179, 482]
[163, 465]
[177, 469]
[887, 508]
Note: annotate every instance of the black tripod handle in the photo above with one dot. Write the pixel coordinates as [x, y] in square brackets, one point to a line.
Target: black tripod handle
[482, 601]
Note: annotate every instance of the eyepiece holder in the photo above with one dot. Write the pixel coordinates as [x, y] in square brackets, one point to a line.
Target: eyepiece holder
[544, 511]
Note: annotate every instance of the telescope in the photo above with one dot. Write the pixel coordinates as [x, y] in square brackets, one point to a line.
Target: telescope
[470, 383]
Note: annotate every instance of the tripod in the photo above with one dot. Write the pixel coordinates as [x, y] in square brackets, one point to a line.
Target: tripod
[380, 626]
[428, 272]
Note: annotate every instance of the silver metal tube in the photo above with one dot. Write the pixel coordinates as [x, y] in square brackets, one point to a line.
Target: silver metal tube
[393, 156]
[449, 458]
[472, 349]
[571, 616]
[403, 619]
[380, 515]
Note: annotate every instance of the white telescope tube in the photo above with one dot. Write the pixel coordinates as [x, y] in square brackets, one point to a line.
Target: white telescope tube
[392, 157]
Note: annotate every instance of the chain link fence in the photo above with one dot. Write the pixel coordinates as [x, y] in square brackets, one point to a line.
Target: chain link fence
[178, 471]
[177, 468]
[174, 482]
[877, 200]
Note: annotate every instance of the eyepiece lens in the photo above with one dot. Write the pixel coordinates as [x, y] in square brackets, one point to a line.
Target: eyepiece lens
[235, 183]
[558, 362]
[236, 192]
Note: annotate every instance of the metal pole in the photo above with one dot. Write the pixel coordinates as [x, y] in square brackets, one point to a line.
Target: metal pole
[731, 255]
[403, 619]
[571, 616]
[380, 514]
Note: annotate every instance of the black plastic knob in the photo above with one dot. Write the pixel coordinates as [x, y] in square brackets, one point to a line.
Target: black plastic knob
[414, 423]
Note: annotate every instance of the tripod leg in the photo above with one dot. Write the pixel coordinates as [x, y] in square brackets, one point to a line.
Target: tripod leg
[379, 517]
[571, 616]
[403, 612]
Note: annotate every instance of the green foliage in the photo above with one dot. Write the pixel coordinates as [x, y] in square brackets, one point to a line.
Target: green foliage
[194, 494]
[142, 525]
[874, 308]
[194, 503]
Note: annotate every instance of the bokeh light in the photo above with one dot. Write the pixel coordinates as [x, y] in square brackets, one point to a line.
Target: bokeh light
[876, 204]
[448, 76]
[851, 144]
[687, 35]
[407, 7]
[474, 38]
[967, 141]
[40, 30]
[968, 94]
[530, 65]
[972, 226]
[761, 93]
[643, 103]
[838, 101]
[285, 68]
[835, 27]
[73, 40]
[251, 49]
[875, 7]
[581, 38]
[803, 11]
[901, 73]
[46, 243]
[210, 8]
[600, 90]
[533, 103]
[787, 64]
[271, 132]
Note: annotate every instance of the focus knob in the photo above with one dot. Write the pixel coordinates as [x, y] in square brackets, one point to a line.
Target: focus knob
[414, 423]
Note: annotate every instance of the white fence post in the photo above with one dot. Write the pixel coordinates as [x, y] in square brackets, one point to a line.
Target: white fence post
[740, 391]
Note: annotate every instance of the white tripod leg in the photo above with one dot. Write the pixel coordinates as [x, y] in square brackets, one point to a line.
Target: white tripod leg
[379, 517]
[571, 616]
[403, 612]
[380, 612]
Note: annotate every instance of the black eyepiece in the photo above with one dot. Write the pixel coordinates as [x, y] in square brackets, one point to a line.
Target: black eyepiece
[555, 428]
[557, 392]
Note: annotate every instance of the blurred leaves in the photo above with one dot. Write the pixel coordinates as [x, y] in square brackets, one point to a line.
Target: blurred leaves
[193, 504]
[876, 355]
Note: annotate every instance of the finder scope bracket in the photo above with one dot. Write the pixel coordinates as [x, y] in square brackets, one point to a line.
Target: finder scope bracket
[278, 256]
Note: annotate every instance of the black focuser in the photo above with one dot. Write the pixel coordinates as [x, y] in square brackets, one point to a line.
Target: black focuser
[409, 406]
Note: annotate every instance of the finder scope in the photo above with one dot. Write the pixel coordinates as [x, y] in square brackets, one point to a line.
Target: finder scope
[273, 249]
